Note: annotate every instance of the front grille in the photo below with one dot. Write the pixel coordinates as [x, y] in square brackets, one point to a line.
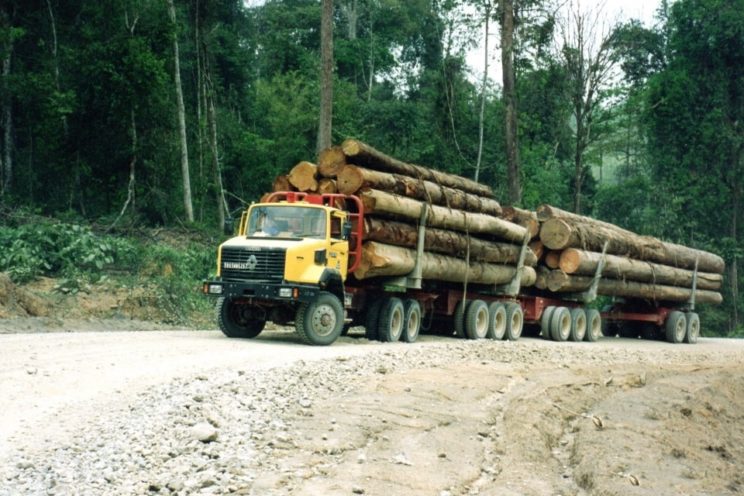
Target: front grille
[264, 265]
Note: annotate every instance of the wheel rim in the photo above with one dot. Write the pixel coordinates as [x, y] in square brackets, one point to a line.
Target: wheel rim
[516, 325]
[323, 320]
[396, 324]
[565, 327]
[595, 327]
[499, 324]
[680, 327]
[694, 330]
[580, 327]
[481, 323]
[413, 324]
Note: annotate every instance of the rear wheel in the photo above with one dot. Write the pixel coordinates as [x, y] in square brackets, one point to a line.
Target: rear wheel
[459, 319]
[693, 328]
[239, 320]
[371, 319]
[476, 320]
[514, 321]
[560, 324]
[545, 321]
[593, 325]
[390, 326]
[578, 324]
[320, 322]
[411, 321]
[496, 321]
[676, 327]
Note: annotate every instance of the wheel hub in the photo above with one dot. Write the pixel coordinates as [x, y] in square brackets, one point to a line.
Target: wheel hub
[324, 320]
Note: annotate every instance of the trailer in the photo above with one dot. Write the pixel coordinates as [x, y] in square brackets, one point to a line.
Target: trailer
[293, 260]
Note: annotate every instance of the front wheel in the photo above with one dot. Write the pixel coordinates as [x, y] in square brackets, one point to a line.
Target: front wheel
[239, 320]
[320, 322]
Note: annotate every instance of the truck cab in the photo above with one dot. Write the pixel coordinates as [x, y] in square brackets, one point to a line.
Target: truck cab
[288, 262]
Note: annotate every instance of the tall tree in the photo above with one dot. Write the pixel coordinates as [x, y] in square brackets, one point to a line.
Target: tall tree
[510, 102]
[326, 76]
[487, 7]
[185, 174]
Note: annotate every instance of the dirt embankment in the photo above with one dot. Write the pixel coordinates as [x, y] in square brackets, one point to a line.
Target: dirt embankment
[441, 417]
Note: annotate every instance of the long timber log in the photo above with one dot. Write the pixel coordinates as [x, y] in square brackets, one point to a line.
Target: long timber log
[525, 218]
[380, 202]
[559, 281]
[446, 242]
[580, 262]
[365, 155]
[302, 176]
[380, 259]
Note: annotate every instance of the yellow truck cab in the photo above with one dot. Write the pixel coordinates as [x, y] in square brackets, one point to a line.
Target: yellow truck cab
[288, 262]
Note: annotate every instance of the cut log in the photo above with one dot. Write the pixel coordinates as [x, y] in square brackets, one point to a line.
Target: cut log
[379, 202]
[553, 259]
[380, 259]
[537, 248]
[446, 242]
[327, 186]
[541, 279]
[302, 176]
[559, 281]
[331, 161]
[559, 233]
[281, 183]
[352, 179]
[574, 261]
[524, 218]
[371, 158]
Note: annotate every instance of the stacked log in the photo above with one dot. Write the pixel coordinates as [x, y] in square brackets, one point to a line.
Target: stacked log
[467, 238]
[635, 266]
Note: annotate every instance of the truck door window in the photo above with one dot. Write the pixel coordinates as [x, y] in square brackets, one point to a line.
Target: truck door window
[335, 227]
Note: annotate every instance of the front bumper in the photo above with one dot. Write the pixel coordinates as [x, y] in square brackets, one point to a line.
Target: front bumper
[281, 292]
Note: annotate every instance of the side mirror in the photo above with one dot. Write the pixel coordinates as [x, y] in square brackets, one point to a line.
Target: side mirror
[229, 226]
[346, 230]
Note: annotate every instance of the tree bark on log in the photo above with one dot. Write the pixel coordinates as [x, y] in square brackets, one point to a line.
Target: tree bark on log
[553, 259]
[567, 232]
[447, 242]
[574, 261]
[524, 218]
[379, 202]
[281, 183]
[380, 259]
[537, 248]
[302, 176]
[371, 158]
[559, 281]
[542, 274]
[331, 161]
[352, 179]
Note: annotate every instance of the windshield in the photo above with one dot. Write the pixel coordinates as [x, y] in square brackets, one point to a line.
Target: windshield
[287, 222]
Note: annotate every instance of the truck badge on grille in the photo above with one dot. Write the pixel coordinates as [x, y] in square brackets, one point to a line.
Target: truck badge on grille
[252, 262]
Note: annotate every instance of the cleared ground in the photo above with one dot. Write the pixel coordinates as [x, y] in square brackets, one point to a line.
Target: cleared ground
[120, 412]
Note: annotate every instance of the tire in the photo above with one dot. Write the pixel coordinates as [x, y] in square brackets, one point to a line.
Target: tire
[560, 324]
[514, 321]
[693, 328]
[371, 319]
[459, 319]
[411, 321]
[476, 320]
[676, 327]
[545, 321]
[496, 321]
[239, 321]
[390, 325]
[593, 325]
[320, 322]
[578, 324]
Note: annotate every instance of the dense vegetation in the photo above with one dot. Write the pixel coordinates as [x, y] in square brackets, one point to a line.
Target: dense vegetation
[642, 127]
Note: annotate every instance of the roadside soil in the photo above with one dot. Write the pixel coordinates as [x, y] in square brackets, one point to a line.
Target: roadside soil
[179, 412]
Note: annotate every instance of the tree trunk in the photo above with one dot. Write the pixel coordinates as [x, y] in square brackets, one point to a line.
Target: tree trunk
[552, 259]
[734, 267]
[559, 281]
[386, 260]
[217, 170]
[484, 85]
[524, 218]
[327, 186]
[132, 165]
[281, 183]
[7, 121]
[443, 241]
[185, 174]
[371, 158]
[510, 102]
[574, 261]
[326, 75]
[352, 179]
[561, 233]
[302, 176]
[331, 161]
[537, 248]
[55, 47]
[386, 203]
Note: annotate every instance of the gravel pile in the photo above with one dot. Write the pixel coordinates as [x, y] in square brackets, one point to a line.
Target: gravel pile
[214, 434]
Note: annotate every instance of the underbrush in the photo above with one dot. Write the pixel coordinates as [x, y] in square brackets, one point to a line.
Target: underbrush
[168, 266]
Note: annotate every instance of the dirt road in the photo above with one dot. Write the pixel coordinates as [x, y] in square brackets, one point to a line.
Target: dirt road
[195, 413]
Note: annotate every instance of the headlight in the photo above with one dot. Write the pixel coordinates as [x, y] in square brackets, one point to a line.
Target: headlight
[285, 292]
[215, 289]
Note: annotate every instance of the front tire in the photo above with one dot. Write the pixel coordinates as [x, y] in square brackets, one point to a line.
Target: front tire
[239, 321]
[320, 322]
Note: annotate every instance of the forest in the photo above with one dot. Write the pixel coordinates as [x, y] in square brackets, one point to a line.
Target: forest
[121, 113]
